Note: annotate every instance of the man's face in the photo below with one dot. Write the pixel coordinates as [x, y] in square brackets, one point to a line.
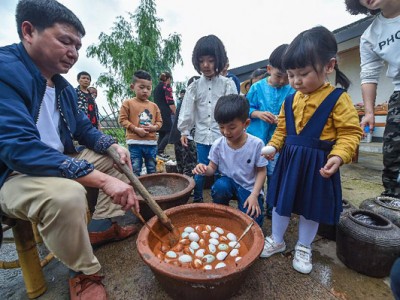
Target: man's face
[84, 81]
[55, 49]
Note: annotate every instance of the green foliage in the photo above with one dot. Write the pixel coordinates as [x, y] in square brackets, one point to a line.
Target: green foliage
[179, 85]
[117, 133]
[132, 45]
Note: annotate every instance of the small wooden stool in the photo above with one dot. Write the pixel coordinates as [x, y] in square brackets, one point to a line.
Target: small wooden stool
[28, 256]
[26, 237]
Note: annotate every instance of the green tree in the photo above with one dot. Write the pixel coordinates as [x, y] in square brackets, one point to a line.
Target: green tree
[134, 44]
[179, 85]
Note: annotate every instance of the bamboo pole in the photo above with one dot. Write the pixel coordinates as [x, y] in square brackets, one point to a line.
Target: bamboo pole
[29, 259]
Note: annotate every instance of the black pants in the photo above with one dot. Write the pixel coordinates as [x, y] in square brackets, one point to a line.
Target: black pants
[391, 148]
[162, 141]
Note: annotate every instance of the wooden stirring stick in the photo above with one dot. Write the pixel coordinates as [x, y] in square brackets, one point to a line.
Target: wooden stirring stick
[140, 217]
[173, 236]
[240, 238]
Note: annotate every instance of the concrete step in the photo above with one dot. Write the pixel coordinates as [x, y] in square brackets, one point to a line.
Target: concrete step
[371, 147]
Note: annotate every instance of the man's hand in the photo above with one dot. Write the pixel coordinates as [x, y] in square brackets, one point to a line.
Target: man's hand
[368, 119]
[121, 193]
[331, 166]
[184, 140]
[124, 156]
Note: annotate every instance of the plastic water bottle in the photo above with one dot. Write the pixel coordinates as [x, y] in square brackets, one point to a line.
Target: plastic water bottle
[368, 133]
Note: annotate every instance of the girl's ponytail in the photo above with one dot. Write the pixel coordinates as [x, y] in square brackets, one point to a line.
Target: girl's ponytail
[341, 78]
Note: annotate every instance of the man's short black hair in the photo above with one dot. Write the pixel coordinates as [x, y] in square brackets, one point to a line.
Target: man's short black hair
[231, 107]
[44, 14]
[140, 74]
[83, 73]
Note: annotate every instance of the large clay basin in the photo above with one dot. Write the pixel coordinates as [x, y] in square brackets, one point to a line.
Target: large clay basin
[185, 283]
[168, 190]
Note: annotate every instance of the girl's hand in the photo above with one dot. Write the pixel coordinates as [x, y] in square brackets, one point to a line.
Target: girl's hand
[271, 155]
[253, 209]
[200, 169]
[331, 166]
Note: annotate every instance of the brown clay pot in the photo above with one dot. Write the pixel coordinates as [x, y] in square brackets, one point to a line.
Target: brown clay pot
[186, 283]
[384, 206]
[168, 190]
[368, 248]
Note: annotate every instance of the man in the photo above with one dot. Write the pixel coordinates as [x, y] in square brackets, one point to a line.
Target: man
[86, 100]
[42, 176]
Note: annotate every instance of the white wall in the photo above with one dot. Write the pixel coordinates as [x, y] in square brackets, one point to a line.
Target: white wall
[349, 64]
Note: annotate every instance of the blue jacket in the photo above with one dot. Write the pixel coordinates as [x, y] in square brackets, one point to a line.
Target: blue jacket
[263, 97]
[22, 88]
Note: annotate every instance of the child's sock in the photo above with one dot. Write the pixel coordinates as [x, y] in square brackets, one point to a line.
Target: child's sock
[307, 231]
[279, 226]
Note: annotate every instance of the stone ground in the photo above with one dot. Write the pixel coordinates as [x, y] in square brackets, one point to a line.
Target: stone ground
[127, 277]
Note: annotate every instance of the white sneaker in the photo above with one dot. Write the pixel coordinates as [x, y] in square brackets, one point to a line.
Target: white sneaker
[302, 259]
[271, 247]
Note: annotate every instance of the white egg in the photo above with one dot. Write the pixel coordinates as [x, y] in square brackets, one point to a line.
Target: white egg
[200, 253]
[238, 258]
[219, 230]
[214, 235]
[223, 247]
[234, 252]
[184, 234]
[208, 258]
[212, 248]
[185, 258]
[267, 150]
[233, 243]
[213, 241]
[231, 236]
[207, 267]
[221, 255]
[189, 229]
[194, 245]
[194, 237]
[220, 265]
[171, 254]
